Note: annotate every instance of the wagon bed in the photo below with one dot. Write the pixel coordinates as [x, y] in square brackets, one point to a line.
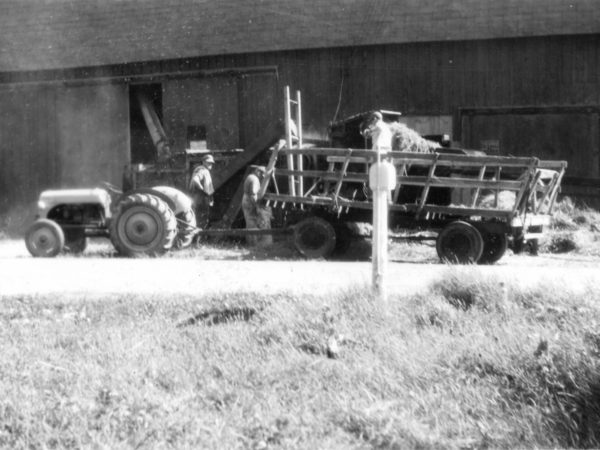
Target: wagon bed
[474, 188]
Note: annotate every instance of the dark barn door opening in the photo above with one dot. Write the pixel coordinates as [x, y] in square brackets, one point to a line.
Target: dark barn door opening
[143, 150]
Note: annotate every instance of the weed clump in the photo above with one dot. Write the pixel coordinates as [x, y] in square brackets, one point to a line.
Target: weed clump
[433, 311]
[471, 289]
[562, 379]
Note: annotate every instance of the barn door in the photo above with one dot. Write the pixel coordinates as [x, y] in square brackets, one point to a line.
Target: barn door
[260, 104]
[92, 134]
[201, 113]
[566, 134]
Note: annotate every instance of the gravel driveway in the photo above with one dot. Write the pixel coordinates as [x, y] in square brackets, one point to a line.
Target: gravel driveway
[94, 275]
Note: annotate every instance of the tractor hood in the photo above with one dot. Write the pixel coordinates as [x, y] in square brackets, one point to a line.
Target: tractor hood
[51, 198]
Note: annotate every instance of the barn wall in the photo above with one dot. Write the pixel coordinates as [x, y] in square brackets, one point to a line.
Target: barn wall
[56, 137]
[28, 153]
[92, 134]
[40, 132]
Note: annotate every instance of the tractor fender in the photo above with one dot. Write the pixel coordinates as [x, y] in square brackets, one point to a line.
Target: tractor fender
[177, 200]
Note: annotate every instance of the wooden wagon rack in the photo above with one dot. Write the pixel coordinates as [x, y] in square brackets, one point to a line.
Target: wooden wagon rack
[535, 182]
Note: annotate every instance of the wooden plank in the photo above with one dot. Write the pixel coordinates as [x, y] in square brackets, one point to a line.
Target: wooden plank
[468, 212]
[289, 141]
[496, 193]
[341, 177]
[461, 182]
[316, 200]
[448, 210]
[339, 155]
[326, 175]
[269, 175]
[401, 173]
[428, 183]
[299, 159]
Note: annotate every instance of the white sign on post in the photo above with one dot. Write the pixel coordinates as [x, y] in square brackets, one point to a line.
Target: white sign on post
[382, 179]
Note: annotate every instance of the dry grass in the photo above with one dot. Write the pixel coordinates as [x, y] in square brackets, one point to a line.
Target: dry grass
[574, 229]
[469, 363]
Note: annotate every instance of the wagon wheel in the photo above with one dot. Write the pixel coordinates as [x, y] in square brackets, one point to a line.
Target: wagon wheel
[343, 238]
[143, 225]
[314, 237]
[459, 243]
[75, 241]
[494, 247]
[44, 238]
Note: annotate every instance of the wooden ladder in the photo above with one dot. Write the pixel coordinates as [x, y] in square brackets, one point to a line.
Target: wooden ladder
[293, 115]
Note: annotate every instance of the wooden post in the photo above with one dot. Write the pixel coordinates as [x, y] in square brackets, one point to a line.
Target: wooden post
[288, 140]
[425, 192]
[477, 190]
[497, 191]
[556, 188]
[399, 185]
[269, 174]
[382, 179]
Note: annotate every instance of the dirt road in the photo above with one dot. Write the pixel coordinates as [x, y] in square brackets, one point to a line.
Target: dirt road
[96, 275]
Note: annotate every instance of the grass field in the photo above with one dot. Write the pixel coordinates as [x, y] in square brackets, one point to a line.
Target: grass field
[469, 363]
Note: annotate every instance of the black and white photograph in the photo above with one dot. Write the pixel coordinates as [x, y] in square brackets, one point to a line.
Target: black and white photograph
[299, 224]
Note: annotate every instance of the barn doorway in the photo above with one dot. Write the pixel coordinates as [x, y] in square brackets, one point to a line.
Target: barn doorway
[143, 150]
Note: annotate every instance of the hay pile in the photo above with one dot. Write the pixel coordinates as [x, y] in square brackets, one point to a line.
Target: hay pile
[408, 140]
[506, 200]
[573, 229]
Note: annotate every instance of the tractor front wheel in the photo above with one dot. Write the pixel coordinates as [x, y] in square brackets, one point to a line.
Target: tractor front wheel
[144, 225]
[44, 239]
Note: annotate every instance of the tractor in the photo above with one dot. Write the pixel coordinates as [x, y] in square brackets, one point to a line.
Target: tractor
[147, 221]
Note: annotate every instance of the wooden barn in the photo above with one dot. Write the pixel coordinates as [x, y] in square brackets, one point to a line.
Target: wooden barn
[510, 77]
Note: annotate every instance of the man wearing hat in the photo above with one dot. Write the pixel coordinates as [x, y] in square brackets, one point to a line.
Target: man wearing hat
[255, 215]
[201, 190]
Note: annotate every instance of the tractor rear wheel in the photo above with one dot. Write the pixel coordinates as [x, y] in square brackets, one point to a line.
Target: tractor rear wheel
[186, 227]
[44, 238]
[314, 237]
[459, 243]
[144, 225]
